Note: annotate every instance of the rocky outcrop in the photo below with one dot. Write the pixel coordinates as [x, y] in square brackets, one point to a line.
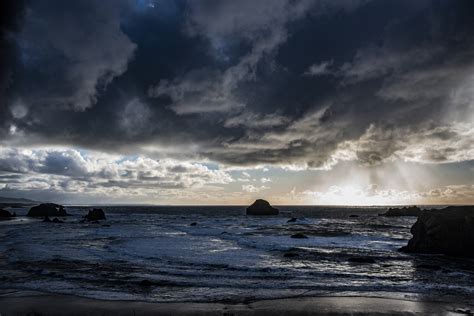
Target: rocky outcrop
[5, 214]
[95, 215]
[55, 220]
[361, 260]
[404, 211]
[47, 209]
[299, 236]
[261, 207]
[448, 231]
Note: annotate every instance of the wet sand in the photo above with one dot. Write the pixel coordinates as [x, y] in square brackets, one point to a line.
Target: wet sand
[36, 303]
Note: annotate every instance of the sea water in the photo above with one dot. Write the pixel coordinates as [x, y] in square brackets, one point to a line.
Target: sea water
[225, 255]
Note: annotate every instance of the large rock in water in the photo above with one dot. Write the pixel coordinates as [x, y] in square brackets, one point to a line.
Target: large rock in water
[47, 209]
[5, 214]
[261, 207]
[448, 231]
[404, 211]
[95, 215]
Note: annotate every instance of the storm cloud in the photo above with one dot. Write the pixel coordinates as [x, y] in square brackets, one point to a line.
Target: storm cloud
[301, 85]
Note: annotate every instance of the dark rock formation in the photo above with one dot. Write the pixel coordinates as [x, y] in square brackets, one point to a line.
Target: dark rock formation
[290, 255]
[5, 214]
[448, 231]
[47, 209]
[299, 236]
[55, 220]
[428, 267]
[261, 207]
[193, 224]
[292, 220]
[361, 260]
[95, 215]
[404, 211]
[464, 311]
[146, 283]
[353, 215]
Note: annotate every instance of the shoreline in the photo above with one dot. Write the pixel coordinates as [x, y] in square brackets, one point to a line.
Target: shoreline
[31, 302]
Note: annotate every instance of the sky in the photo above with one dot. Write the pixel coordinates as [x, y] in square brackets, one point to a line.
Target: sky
[348, 102]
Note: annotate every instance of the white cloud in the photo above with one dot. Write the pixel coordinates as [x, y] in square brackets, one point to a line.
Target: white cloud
[135, 117]
[320, 69]
[253, 189]
[372, 195]
[72, 171]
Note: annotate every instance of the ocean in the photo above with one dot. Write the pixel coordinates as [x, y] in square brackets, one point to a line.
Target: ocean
[218, 254]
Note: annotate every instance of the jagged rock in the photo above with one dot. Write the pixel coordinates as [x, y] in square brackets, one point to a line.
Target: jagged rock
[361, 260]
[353, 215]
[290, 255]
[47, 209]
[54, 220]
[299, 236]
[292, 220]
[5, 214]
[448, 231]
[404, 211]
[261, 207]
[193, 224]
[95, 215]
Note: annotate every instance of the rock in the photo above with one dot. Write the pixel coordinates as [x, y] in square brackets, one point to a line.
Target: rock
[464, 311]
[95, 215]
[5, 214]
[105, 225]
[428, 267]
[193, 224]
[449, 231]
[55, 220]
[361, 260]
[261, 207]
[404, 211]
[292, 220]
[299, 236]
[290, 255]
[354, 215]
[47, 209]
[146, 283]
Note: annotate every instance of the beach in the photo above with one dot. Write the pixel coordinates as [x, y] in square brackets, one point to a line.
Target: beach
[37, 303]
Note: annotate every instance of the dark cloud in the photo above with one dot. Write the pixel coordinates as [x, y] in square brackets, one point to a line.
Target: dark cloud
[71, 51]
[11, 13]
[306, 83]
